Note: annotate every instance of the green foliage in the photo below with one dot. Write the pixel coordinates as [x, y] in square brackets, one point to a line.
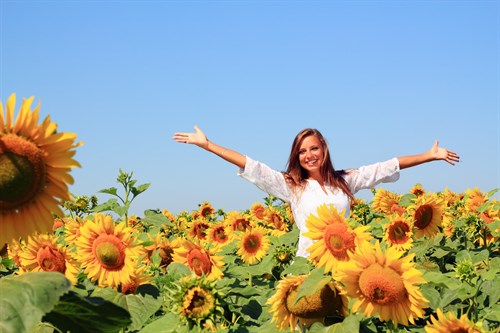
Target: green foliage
[25, 299]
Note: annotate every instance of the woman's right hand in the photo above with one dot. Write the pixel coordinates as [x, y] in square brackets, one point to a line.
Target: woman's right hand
[197, 138]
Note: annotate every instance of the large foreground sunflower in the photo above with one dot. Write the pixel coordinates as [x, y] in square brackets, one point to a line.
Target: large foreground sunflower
[383, 283]
[35, 161]
[333, 237]
[106, 251]
[287, 313]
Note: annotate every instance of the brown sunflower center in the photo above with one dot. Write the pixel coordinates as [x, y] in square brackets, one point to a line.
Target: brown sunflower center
[166, 256]
[199, 262]
[423, 216]
[220, 235]
[22, 171]
[322, 303]
[110, 251]
[382, 285]
[51, 260]
[252, 244]
[241, 225]
[339, 239]
[398, 232]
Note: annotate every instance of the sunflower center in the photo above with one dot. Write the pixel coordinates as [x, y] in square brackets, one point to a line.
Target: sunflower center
[110, 252]
[338, 240]
[220, 235]
[51, 260]
[166, 256]
[252, 244]
[22, 171]
[423, 216]
[398, 232]
[322, 303]
[382, 285]
[199, 262]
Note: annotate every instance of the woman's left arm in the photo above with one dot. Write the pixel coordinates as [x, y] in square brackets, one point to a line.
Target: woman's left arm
[434, 154]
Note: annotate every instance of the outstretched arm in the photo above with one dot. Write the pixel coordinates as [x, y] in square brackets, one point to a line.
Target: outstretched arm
[434, 154]
[200, 139]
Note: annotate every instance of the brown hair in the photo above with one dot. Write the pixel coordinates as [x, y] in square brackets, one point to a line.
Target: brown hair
[296, 176]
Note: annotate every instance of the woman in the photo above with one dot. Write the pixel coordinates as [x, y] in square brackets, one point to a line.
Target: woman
[310, 179]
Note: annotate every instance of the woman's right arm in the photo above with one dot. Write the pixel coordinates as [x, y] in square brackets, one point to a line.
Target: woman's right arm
[200, 139]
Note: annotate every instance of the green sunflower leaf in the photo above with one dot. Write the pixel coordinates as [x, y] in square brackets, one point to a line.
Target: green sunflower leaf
[25, 299]
[75, 313]
[141, 306]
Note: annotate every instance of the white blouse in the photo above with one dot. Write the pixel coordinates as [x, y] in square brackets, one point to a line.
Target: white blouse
[306, 203]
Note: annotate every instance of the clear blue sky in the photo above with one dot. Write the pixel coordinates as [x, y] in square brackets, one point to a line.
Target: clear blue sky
[378, 78]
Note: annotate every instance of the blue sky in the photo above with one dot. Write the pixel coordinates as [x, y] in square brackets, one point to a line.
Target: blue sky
[378, 78]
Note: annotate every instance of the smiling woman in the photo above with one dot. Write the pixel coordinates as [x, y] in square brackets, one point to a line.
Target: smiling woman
[310, 179]
[34, 164]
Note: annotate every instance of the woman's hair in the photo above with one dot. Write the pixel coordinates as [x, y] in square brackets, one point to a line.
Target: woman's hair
[296, 175]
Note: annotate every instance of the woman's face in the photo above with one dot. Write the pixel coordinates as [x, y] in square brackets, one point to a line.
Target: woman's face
[311, 155]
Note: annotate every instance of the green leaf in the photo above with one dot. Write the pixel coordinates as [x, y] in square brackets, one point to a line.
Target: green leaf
[349, 325]
[431, 294]
[169, 323]
[314, 282]
[139, 189]
[106, 206]
[111, 190]
[407, 199]
[75, 313]
[156, 219]
[491, 289]
[121, 210]
[141, 306]
[299, 266]
[24, 299]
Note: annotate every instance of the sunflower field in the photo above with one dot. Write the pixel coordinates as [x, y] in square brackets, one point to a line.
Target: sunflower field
[404, 262]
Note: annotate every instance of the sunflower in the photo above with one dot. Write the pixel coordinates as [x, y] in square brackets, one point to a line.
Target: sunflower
[398, 232]
[385, 202]
[427, 212]
[35, 162]
[43, 253]
[106, 251]
[383, 283]
[236, 221]
[417, 190]
[161, 245]
[198, 229]
[198, 301]
[333, 237]
[473, 199]
[169, 215]
[258, 211]
[276, 222]
[253, 245]
[206, 210]
[287, 313]
[449, 323]
[199, 258]
[138, 277]
[217, 234]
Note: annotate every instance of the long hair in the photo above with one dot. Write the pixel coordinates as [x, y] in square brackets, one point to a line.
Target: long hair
[296, 175]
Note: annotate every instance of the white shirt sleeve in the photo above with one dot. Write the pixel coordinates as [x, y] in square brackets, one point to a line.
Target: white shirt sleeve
[268, 180]
[369, 176]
